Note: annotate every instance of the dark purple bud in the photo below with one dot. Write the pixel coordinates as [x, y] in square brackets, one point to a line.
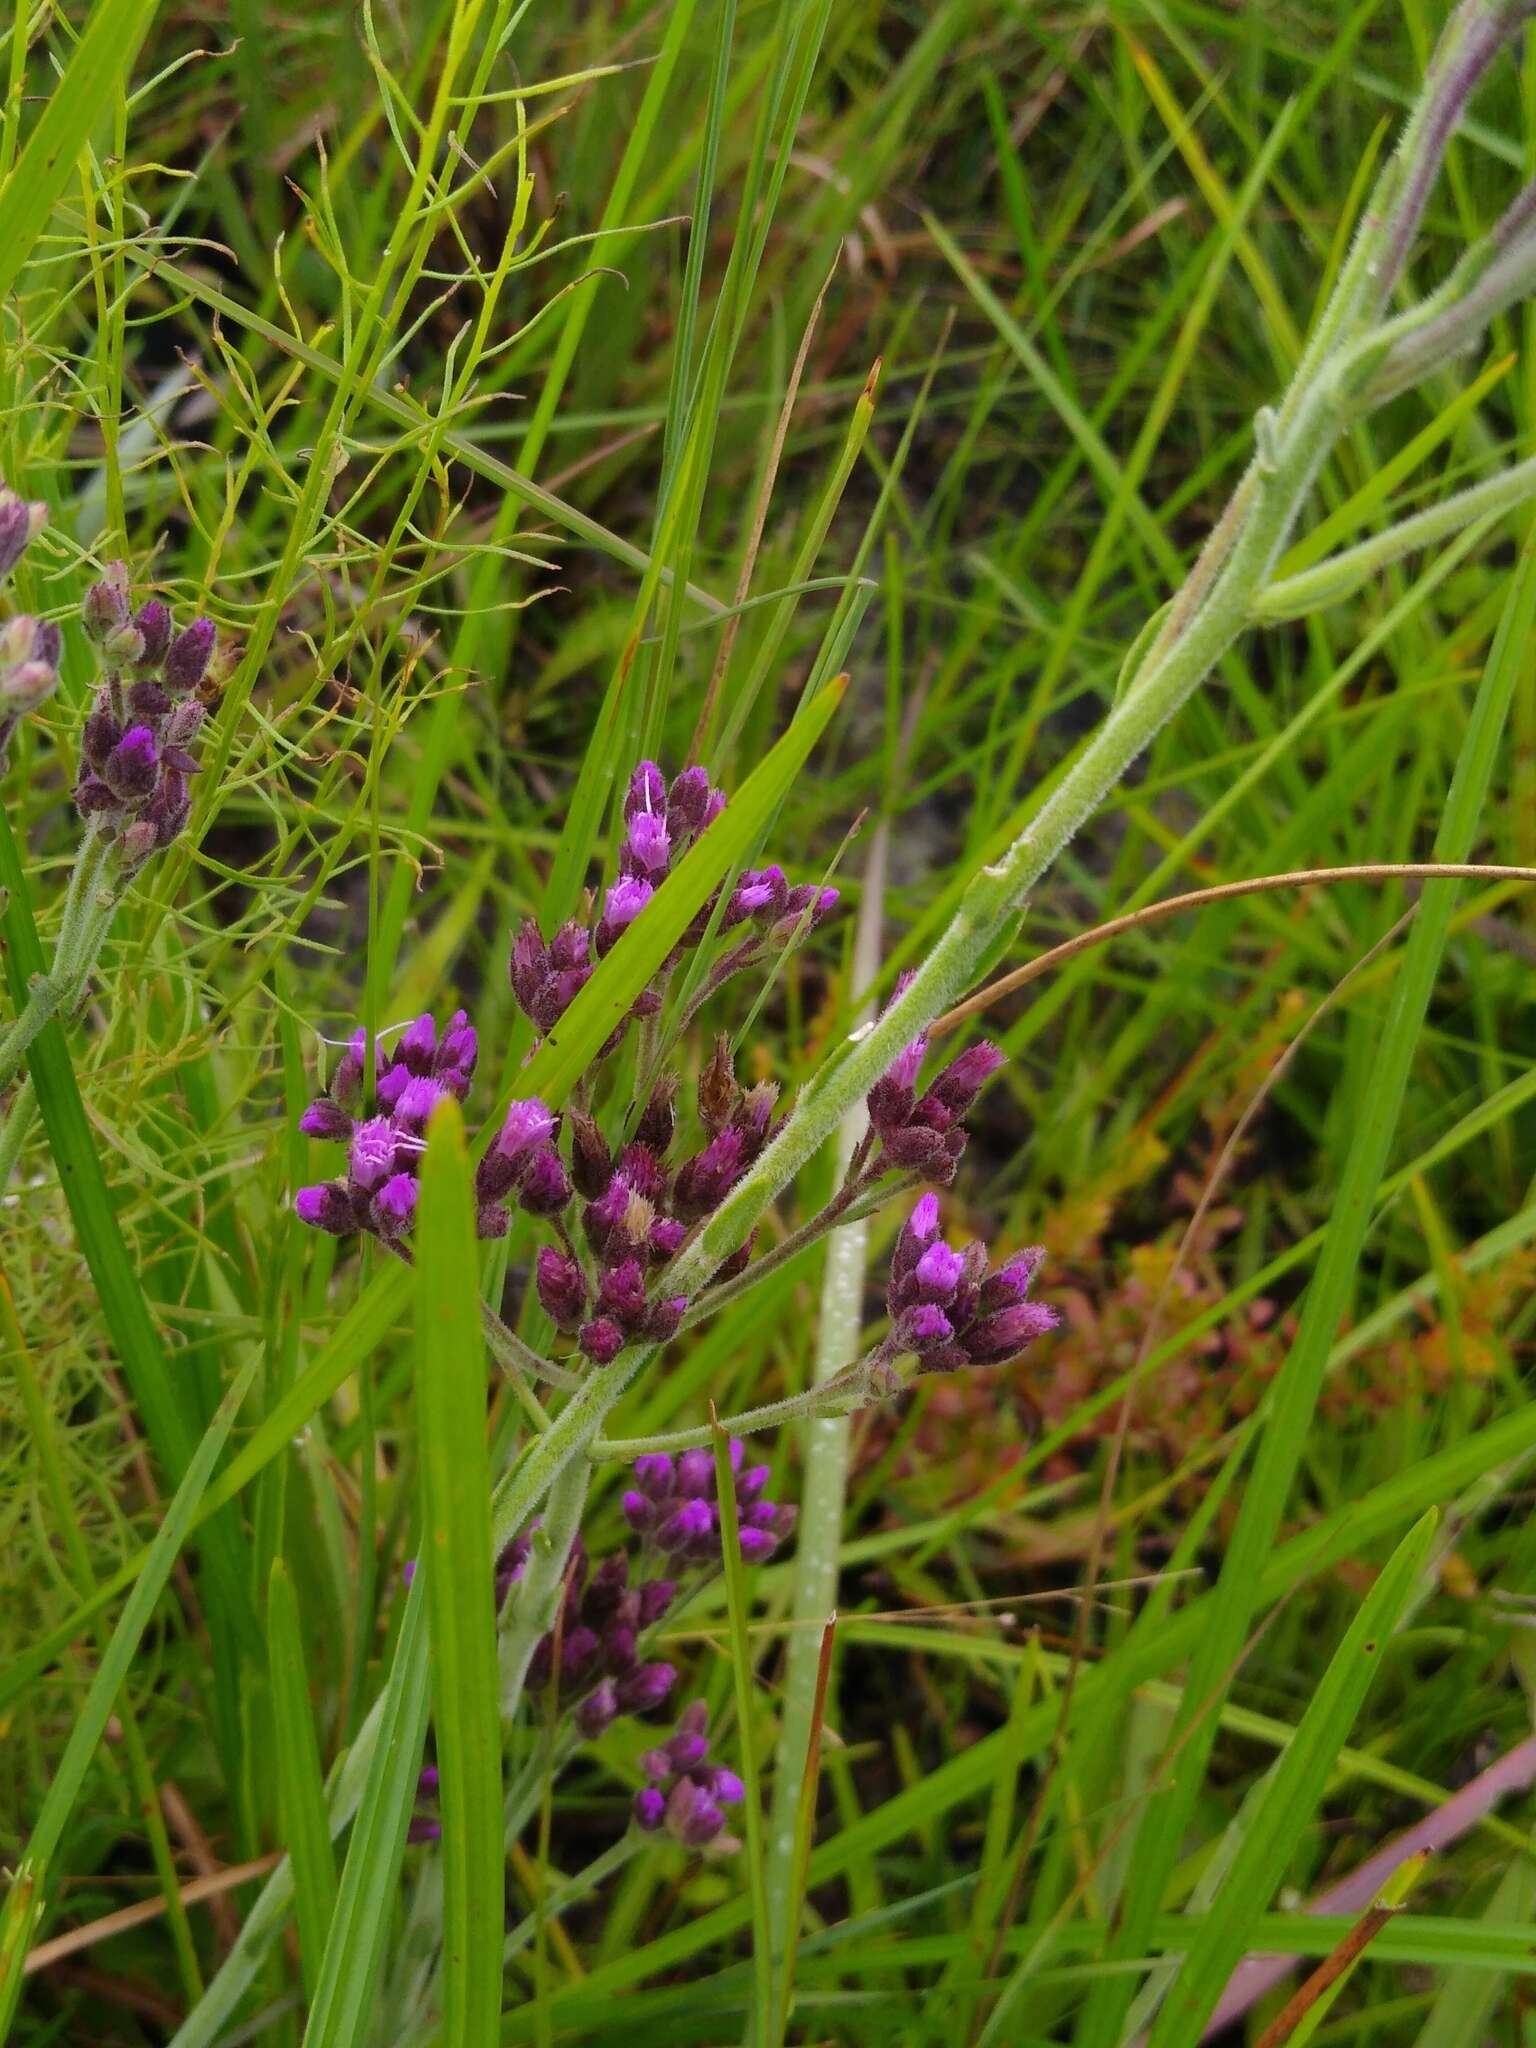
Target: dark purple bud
[703, 1183]
[692, 1816]
[418, 1042]
[591, 1167]
[569, 949]
[146, 699]
[1005, 1335]
[923, 1328]
[326, 1120]
[153, 620]
[658, 1120]
[562, 1288]
[621, 1294]
[650, 1809]
[725, 1786]
[424, 1829]
[656, 1598]
[665, 1317]
[186, 659]
[348, 1077]
[395, 1204]
[169, 808]
[643, 1690]
[18, 522]
[458, 1052]
[696, 1474]
[964, 1078]
[667, 1237]
[738, 1261]
[105, 609]
[639, 1512]
[93, 795]
[492, 1220]
[1012, 1280]
[327, 1207]
[687, 1528]
[546, 1186]
[392, 1082]
[529, 964]
[597, 1711]
[756, 1545]
[578, 1647]
[688, 803]
[132, 768]
[601, 1340]
[647, 791]
[920, 1230]
[98, 737]
[756, 1115]
[655, 1475]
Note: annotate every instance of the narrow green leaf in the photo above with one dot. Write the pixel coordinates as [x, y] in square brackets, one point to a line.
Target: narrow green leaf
[300, 1785]
[461, 1601]
[354, 1951]
[1289, 1799]
[25, 1901]
[102, 61]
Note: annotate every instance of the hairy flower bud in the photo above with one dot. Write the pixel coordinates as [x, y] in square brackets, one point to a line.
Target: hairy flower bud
[562, 1288]
[19, 521]
[187, 657]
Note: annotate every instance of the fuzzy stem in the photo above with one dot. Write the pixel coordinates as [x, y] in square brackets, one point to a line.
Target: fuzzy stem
[842, 1208]
[1343, 573]
[82, 932]
[14, 1127]
[848, 1389]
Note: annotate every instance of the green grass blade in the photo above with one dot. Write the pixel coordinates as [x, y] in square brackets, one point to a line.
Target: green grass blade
[98, 70]
[461, 1603]
[25, 1901]
[1289, 1799]
[301, 1788]
[354, 1953]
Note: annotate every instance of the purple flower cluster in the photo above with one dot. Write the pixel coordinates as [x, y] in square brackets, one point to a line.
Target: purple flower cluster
[674, 1507]
[635, 1210]
[378, 1190]
[687, 1792]
[661, 822]
[29, 648]
[923, 1133]
[135, 753]
[949, 1309]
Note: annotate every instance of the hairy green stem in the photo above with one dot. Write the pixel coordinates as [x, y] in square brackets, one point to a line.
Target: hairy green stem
[1343, 573]
[837, 1396]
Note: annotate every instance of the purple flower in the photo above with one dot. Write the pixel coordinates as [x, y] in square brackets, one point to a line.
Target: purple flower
[372, 1156]
[395, 1204]
[703, 1183]
[562, 1288]
[687, 1792]
[527, 1124]
[948, 1310]
[647, 849]
[621, 906]
[546, 1186]
[418, 1043]
[132, 768]
[153, 620]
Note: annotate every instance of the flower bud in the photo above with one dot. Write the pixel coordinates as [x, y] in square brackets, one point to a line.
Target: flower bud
[131, 769]
[562, 1288]
[601, 1340]
[105, 609]
[327, 1207]
[153, 621]
[19, 521]
[186, 659]
[591, 1166]
[326, 1120]
[546, 1187]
